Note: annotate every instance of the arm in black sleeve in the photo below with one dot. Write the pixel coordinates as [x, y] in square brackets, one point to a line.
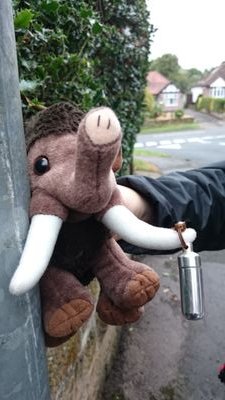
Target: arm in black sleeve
[196, 196]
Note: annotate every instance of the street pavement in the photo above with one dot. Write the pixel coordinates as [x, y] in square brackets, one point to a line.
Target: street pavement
[163, 356]
[205, 120]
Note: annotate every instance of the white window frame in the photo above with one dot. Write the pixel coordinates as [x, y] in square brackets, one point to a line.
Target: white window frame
[217, 92]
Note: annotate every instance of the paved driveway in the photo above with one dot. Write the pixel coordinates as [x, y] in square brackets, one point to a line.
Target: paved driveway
[205, 120]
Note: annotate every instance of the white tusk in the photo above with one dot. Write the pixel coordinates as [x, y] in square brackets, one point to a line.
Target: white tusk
[38, 249]
[127, 226]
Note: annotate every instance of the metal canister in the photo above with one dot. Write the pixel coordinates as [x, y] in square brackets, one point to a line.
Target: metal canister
[191, 284]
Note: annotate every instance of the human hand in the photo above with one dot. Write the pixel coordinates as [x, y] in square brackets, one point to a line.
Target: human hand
[136, 204]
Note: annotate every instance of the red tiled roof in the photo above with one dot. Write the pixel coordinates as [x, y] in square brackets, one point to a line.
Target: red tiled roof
[156, 82]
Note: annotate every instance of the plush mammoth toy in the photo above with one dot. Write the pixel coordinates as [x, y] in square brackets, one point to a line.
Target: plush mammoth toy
[75, 207]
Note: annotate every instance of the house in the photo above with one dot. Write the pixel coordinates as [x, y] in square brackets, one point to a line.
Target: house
[166, 94]
[211, 86]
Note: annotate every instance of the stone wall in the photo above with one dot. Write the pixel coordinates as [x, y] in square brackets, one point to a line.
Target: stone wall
[77, 368]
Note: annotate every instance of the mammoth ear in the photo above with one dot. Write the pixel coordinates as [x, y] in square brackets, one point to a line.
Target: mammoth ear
[117, 164]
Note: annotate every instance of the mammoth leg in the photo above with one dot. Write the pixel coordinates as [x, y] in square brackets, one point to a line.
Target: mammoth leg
[66, 303]
[51, 341]
[113, 315]
[126, 282]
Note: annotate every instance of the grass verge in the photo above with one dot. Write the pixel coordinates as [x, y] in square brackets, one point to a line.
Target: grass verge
[142, 160]
[145, 166]
[150, 153]
[170, 128]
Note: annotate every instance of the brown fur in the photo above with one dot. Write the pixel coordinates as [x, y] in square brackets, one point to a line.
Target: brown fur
[59, 118]
[79, 187]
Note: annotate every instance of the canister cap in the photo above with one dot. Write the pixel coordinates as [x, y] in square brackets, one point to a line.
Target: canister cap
[189, 259]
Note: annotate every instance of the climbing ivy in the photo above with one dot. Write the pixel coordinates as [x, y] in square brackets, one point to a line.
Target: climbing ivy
[89, 52]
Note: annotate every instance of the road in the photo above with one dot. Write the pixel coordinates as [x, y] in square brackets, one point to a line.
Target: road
[163, 356]
[195, 147]
[198, 145]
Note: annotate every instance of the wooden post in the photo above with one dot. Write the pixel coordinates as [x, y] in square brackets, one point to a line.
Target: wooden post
[23, 368]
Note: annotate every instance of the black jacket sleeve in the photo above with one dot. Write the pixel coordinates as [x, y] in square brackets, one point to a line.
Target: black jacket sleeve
[196, 196]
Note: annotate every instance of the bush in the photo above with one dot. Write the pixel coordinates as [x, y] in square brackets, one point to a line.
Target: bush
[152, 108]
[91, 53]
[219, 105]
[210, 104]
[205, 104]
[156, 111]
[149, 101]
[199, 103]
[179, 114]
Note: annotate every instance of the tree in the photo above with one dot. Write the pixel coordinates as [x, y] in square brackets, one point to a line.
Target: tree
[168, 66]
[193, 76]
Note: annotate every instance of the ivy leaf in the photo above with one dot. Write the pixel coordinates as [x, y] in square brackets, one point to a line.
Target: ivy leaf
[50, 6]
[96, 28]
[27, 86]
[86, 13]
[81, 51]
[23, 19]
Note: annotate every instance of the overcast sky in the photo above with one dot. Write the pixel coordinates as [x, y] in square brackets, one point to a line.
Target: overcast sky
[193, 30]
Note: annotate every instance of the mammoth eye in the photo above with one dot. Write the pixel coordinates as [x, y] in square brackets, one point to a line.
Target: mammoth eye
[41, 165]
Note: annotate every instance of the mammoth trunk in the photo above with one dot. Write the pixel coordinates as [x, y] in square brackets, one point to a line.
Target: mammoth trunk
[94, 179]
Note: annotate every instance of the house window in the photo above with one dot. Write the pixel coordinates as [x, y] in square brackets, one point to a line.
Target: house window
[171, 99]
[217, 92]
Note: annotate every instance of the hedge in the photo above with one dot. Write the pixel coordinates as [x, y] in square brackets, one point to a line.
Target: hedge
[210, 104]
[89, 52]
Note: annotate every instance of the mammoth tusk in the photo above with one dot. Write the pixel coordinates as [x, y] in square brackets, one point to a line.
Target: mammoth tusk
[128, 227]
[38, 249]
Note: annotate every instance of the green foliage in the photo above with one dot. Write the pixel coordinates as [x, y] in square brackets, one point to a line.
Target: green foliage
[179, 114]
[91, 53]
[149, 100]
[210, 104]
[193, 76]
[168, 66]
[23, 19]
[199, 103]
[205, 104]
[152, 108]
[219, 105]
[156, 111]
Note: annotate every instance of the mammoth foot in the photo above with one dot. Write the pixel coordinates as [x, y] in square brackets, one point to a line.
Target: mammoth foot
[141, 288]
[67, 319]
[66, 303]
[112, 315]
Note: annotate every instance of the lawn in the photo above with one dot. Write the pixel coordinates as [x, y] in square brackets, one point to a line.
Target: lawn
[170, 127]
[149, 153]
[142, 160]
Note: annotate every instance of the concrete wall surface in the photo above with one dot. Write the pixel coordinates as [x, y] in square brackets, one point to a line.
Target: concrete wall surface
[77, 369]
